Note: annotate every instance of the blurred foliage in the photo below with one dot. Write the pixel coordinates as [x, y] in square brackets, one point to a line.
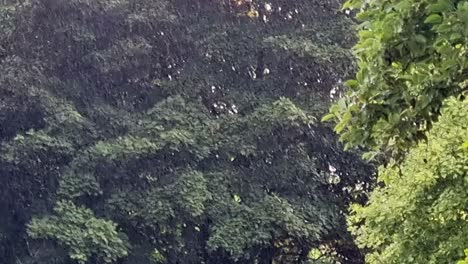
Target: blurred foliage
[173, 132]
[465, 260]
[82, 233]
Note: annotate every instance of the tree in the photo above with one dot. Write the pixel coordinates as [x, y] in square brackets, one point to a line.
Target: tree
[407, 105]
[412, 55]
[173, 132]
[420, 215]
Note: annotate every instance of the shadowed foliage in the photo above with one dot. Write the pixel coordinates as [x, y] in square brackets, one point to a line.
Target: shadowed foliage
[173, 132]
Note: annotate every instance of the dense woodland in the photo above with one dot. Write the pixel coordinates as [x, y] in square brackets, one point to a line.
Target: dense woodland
[233, 131]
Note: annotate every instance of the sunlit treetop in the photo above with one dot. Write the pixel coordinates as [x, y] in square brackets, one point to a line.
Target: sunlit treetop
[419, 214]
[411, 55]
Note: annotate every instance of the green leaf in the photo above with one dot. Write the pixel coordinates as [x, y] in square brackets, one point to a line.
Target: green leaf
[433, 19]
[464, 146]
[351, 83]
[420, 38]
[237, 198]
[352, 4]
[441, 6]
[328, 117]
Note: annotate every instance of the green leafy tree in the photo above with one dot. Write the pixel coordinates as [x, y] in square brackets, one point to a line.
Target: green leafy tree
[420, 215]
[173, 132]
[85, 235]
[407, 105]
[412, 55]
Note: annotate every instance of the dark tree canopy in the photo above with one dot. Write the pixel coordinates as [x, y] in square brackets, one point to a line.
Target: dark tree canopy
[157, 131]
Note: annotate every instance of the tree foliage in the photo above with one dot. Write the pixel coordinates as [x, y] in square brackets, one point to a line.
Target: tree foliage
[85, 235]
[412, 55]
[420, 215]
[408, 102]
[173, 132]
